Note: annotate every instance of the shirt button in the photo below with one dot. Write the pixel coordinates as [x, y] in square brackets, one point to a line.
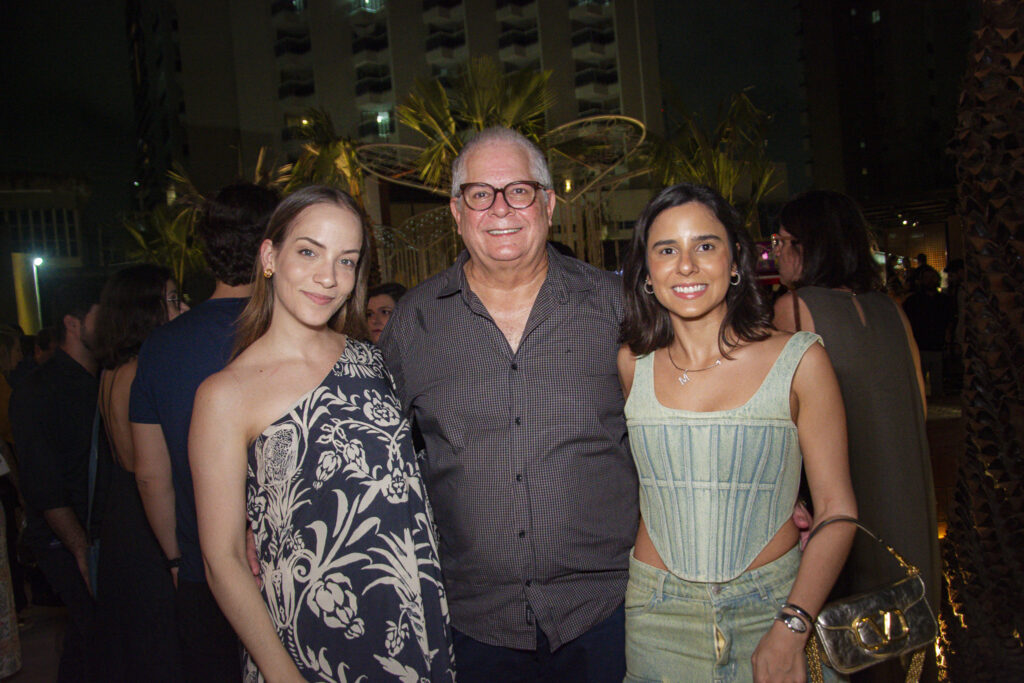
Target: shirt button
[716, 589]
[519, 477]
[521, 533]
[519, 421]
[515, 366]
[529, 583]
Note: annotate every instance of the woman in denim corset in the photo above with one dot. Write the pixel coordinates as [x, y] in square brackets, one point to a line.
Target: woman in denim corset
[722, 412]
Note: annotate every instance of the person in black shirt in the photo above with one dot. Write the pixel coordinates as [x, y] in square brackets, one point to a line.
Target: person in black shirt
[52, 414]
[930, 313]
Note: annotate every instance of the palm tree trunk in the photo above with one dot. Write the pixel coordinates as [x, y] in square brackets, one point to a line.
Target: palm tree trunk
[983, 622]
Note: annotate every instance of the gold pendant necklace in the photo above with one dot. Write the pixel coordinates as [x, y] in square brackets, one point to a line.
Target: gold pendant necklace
[685, 377]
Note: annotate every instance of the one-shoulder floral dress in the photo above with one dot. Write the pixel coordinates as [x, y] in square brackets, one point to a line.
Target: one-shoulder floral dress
[346, 546]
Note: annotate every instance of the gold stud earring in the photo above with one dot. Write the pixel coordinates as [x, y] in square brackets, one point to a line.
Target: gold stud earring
[268, 272]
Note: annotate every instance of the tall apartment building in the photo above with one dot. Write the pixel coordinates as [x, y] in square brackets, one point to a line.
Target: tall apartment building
[882, 82]
[218, 79]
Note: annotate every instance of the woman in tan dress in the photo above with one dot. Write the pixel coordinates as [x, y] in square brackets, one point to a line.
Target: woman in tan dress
[824, 255]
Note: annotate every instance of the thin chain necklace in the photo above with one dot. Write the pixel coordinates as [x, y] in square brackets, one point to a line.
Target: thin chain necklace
[685, 377]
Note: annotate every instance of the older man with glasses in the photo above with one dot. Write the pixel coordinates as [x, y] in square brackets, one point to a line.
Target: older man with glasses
[507, 362]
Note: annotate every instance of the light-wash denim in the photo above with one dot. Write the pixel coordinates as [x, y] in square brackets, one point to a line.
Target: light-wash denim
[681, 631]
[715, 487]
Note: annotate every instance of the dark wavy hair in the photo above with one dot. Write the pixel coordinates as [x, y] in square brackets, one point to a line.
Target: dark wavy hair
[232, 228]
[393, 289]
[351, 317]
[131, 306]
[834, 240]
[647, 325]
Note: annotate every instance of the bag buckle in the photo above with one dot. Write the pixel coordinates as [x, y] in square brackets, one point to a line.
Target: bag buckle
[876, 631]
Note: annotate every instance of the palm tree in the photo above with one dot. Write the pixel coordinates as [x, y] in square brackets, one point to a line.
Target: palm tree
[167, 234]
[983, 624]
[732, 158]
[327, 158]
[481, 96]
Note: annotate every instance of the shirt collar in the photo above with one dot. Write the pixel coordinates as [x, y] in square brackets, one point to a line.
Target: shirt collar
[564, 274]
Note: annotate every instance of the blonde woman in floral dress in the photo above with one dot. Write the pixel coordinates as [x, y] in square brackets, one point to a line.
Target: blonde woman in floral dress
[302, 435]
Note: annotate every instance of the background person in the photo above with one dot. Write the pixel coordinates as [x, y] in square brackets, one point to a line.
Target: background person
[379, 305]
[134, 589]
[930, 313]
[173, 361]
[302, 431]
[721, 411]
[11, 578]
[52, 413]
[824, 255]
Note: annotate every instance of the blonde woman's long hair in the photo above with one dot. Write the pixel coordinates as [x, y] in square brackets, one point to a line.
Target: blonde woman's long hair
[351, 317]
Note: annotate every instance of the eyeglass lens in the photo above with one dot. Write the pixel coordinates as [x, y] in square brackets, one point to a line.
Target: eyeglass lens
[481, 196]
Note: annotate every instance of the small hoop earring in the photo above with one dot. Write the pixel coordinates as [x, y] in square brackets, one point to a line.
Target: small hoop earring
[268, 272]
[735, 278]
[648, 287]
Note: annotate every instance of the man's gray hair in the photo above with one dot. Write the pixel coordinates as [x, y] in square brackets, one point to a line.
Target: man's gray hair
[538, 163]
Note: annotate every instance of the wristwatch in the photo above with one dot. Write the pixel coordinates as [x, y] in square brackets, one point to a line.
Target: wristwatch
[792, 621]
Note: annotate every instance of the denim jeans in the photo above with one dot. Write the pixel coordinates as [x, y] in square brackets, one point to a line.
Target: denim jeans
[679, 630]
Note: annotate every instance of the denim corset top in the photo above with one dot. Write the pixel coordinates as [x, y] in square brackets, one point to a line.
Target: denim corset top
[715, 487]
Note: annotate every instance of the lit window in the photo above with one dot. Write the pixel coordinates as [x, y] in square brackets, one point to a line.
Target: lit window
[876, 16]
[367, 5]
[863, 171]
[383, 123]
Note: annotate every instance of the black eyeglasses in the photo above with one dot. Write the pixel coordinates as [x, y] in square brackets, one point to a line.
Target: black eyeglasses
[519, 195]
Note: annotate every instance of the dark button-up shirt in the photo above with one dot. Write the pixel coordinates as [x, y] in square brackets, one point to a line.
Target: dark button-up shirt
[528, 466]
[52, 414]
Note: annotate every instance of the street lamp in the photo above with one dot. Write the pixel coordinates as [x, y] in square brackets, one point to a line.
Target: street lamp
[36, 262]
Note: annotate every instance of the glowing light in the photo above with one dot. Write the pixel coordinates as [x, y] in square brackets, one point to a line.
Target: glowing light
[37, 261]
[305, 122]
[568, 185]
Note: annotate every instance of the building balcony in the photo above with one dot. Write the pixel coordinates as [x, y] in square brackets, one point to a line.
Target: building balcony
[444, 14]
[289, 60]
[590, 12]
[375, 100]
[519, 55]
[447, 55]
[297, 94]
[380, 57]
[377, 84]
[595, 90]
[592, 50]
[292, 45]
[515, 11]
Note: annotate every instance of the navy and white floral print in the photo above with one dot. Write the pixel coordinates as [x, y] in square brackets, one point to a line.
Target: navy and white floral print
[346, 546]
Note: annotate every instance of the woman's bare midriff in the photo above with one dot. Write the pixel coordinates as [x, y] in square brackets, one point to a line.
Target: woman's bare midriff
[787, 537]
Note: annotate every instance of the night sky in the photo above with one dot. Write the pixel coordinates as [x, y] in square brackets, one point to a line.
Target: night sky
[67, 97]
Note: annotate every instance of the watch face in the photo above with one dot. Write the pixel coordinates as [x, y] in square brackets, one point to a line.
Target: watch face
[794, 623]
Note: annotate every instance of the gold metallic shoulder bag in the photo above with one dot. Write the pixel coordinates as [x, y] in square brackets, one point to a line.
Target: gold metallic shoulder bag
[892, 620]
